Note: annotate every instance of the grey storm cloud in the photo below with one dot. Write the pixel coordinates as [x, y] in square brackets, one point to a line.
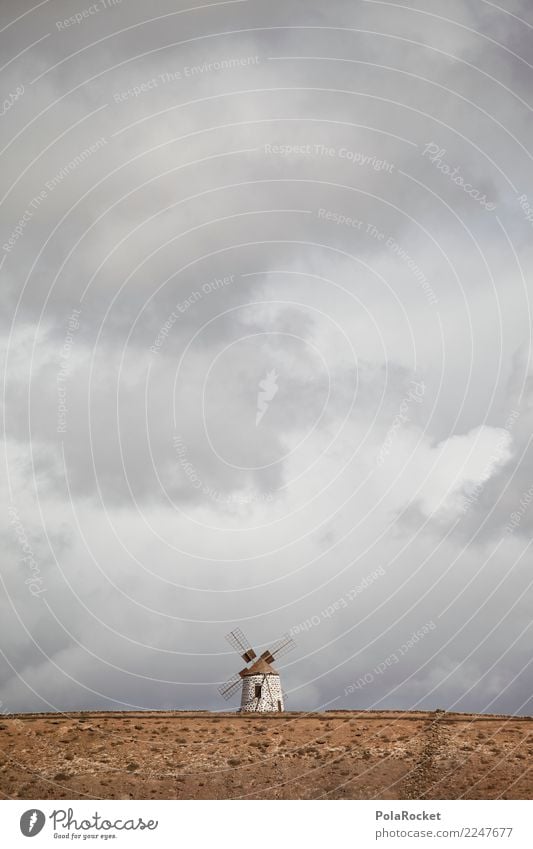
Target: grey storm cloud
[266, 332]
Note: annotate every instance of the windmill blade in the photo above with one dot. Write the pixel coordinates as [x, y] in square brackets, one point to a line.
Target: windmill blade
[284, 645]
[228, 689]
[241, 644]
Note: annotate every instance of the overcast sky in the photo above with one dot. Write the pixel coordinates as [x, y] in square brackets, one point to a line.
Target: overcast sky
[266, 347]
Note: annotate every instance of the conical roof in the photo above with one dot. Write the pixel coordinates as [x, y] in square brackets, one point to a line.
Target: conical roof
[260, 667]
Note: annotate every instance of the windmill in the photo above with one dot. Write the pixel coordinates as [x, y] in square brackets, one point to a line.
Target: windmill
[261, 687]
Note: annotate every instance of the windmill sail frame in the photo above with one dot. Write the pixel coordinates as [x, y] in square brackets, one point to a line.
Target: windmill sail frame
[261, 689]
[241, 644]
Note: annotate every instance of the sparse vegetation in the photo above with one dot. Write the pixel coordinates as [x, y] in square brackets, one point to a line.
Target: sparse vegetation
[387, 755]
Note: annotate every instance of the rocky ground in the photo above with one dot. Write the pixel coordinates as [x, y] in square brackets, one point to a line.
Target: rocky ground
[332, 755]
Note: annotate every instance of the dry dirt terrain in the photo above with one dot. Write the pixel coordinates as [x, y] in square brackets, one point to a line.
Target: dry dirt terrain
[332, 755]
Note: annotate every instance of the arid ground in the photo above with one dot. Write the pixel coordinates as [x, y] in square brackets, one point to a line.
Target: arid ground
[332, 755]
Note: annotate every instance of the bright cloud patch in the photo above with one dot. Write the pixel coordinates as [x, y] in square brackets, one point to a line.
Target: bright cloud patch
[461, 464]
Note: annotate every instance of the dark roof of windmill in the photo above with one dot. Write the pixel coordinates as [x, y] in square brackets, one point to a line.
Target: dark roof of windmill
[260, 667]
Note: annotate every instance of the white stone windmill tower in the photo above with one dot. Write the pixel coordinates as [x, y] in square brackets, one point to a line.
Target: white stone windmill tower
[261, 686]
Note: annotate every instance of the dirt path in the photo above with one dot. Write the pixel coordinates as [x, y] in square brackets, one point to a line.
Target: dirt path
[427, 771]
